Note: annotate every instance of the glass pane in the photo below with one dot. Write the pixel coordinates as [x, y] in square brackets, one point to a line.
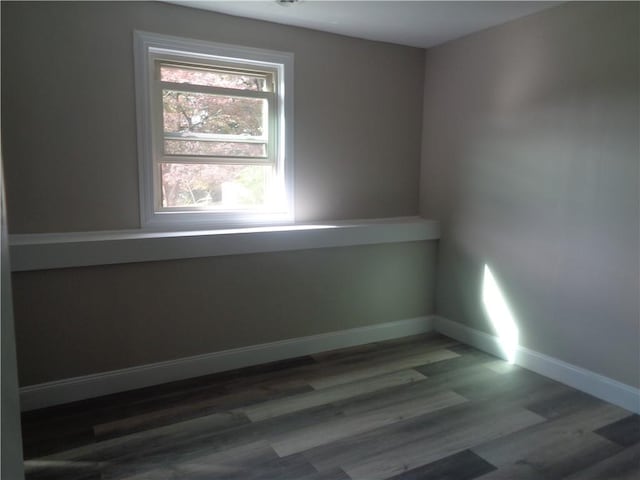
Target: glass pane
[222, 149]
[212, 78]
[215, 186]
[189, 112]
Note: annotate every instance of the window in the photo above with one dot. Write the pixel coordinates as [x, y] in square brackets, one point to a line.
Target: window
[214, 133]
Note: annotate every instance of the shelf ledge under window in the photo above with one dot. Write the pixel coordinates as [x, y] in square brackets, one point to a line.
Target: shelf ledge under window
[67, 250]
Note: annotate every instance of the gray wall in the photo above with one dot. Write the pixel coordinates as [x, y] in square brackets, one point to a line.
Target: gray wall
[84, 320]
[68, 113]
[70, 151]
[10, 434]
[530, 160]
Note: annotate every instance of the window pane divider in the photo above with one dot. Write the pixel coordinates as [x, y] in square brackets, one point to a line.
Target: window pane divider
[227, 92]
[213, 137]
[217, 160]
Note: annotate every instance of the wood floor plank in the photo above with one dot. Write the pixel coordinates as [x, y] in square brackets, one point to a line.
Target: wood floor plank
[360, 413]
[439, 434]
[403, 346]
[467, 358]
[562, 401]
[302, 371]
[50, 430]
[552, 460]
[380, 355]
[509, 474]
[56, 439]
[501, 366]
[255, 461]
[336, 474]
[465, 465]
[554, 448]
[436, 445]
[377, 368]
[348, 352]
[216, 464]
[132, 400]
[303, 401]
[263, 464]
[301, 440]
[292, 467]
[151, 474]
[339, 363]
[514, 383]
[201, 435]
[170, 434]
[38, 469]
[625, 465]
[625, 432]
[196, 407]
[513, 391]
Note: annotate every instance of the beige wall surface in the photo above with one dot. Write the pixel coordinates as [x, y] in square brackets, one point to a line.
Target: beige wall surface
[68, 113]
[69, 141]
[531, 162]
[86, 320]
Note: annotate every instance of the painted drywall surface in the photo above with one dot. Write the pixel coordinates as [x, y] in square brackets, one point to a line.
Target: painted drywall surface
[69, 137]
[87, 320]
[68, 113]
[531, 162]
[11, 466]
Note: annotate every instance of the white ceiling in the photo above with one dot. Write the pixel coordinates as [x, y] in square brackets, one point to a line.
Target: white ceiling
[415, 23]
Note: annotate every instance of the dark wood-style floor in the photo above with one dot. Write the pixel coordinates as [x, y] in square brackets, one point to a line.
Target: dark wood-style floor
[417, 408]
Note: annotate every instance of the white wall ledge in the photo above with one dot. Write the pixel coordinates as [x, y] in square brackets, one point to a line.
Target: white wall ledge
[67, 250]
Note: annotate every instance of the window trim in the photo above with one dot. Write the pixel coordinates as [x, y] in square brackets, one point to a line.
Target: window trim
[145, 44]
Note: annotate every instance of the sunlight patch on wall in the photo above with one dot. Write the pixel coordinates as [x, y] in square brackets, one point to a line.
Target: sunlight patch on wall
[500, 315]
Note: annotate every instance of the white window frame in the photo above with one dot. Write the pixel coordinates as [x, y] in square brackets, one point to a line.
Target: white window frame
[148, 48]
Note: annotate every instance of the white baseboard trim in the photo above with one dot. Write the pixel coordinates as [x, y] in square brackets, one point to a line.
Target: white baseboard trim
[80, 388]
[579, 378]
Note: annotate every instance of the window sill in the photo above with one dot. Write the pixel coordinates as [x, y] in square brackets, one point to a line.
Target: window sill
[66, 250]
